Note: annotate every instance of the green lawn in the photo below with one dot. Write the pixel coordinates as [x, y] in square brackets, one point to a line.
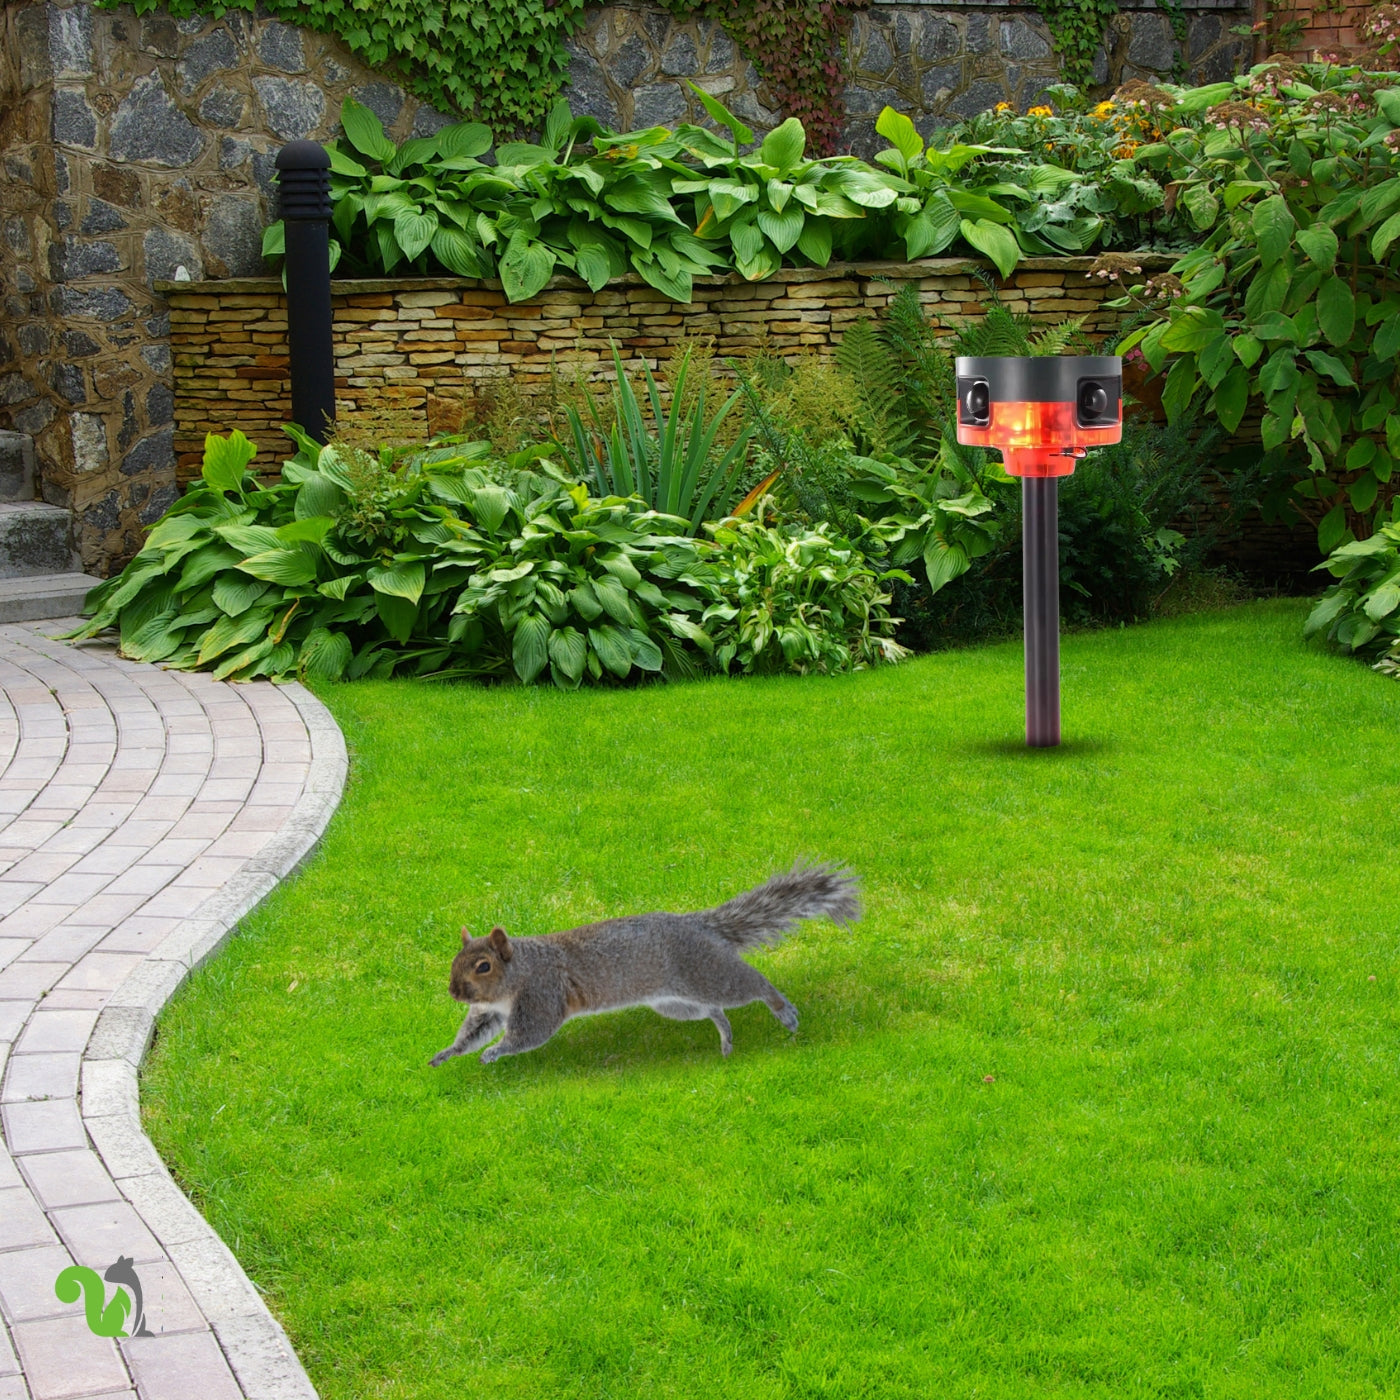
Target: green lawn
[1098, 1100]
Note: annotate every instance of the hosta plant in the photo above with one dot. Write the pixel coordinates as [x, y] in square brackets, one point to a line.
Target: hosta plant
[798, 598]
[348, 566]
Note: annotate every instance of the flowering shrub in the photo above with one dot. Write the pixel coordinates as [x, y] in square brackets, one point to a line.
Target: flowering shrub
[1289, 307]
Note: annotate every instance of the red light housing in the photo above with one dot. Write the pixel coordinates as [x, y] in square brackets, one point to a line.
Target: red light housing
[1041, 412]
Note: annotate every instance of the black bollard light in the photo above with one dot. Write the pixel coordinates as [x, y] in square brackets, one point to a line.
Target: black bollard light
[304, 185]
[1043, 413]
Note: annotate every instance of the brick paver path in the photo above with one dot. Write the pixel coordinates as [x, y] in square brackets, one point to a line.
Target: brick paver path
[142, 812]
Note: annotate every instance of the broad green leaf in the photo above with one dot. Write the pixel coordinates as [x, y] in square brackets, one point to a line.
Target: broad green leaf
[402, 580]
[1191, 328]
[1331, 366]
[232, 632]
[529, 647]
[274, 240]
[1332, 530]
[1384, 236]
[585, 602]
[1336, 311]
[464, 139]
[900, 132]
[226, 459]
[289, 567]
[1274, 325]
[611, 646]
[490, 504]
[943, 562]
[1267, 289]
[742, 134]
[1378, 200]
[784, 145]
[365, 132]
[525, 267]
[614, 600]
[815, 243]
[1386, 345]
[324, 655]
[783, 229]
[1319, 242]
[1232, 397]
[234, 594]
[1385, 598]
[318, 495]
[414, 231]
[1361, 454]
[457, 253]
[1273, 228]
[1248, 349]
[646, 655]
[1201, 205]
[1388, 100]
[1180, 386]
[568, 650]
[997, 242]
[1362, 493]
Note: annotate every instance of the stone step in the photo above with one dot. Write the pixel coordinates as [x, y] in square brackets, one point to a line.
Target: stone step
[16, 467]
[34, 539]
[44, 595]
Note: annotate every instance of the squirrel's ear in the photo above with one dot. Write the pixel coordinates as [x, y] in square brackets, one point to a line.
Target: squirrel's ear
[466, 938]
[500, 943]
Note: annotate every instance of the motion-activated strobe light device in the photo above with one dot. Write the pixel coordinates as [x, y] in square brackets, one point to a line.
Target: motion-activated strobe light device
[1042, 413]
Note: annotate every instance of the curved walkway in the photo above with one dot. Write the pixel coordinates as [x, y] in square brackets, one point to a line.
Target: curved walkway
[142, 813]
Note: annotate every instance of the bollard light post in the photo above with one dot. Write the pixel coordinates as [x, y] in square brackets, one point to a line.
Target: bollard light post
[304, 185]
[1043, 413]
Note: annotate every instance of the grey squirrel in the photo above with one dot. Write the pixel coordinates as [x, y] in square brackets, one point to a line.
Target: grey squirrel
[684, 966]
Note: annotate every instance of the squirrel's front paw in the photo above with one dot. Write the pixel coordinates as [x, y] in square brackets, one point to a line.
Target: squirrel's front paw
[492, 1052]
[441, 1056]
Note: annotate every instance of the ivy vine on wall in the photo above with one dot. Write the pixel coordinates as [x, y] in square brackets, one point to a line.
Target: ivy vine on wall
[1077, 29]
[796, 45]
[501, 61]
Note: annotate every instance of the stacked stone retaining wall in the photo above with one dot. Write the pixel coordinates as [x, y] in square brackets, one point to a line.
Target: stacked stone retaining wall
[433, 346]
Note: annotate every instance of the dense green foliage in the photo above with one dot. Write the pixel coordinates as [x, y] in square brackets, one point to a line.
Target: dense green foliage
[445, 562]
[1289, 307]
[1361, 611]
[673, 205]
[1097, 1101]
[891, 392]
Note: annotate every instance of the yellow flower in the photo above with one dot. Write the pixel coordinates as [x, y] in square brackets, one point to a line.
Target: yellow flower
[1002, 107]
[1103, 109]
[1041, 112]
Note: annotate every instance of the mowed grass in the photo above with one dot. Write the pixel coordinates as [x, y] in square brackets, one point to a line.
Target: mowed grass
[1098, 1100]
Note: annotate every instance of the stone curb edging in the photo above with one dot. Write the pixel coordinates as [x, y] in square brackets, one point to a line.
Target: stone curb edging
[252, 1339]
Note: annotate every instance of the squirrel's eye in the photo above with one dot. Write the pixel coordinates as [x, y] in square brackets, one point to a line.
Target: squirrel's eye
[482, 967]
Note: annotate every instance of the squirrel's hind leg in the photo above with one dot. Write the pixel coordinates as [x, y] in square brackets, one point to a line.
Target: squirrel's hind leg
[675, 1009]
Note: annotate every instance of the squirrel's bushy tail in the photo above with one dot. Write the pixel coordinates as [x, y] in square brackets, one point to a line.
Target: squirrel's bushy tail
[765, 914]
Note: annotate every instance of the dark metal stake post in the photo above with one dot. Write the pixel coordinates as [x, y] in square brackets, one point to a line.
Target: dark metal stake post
[1040, 555]
[304, 181]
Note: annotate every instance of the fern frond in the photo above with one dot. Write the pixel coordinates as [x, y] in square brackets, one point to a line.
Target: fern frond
[1058, 340]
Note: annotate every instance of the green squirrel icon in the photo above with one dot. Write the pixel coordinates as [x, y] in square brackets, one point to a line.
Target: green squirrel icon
[102, 1321]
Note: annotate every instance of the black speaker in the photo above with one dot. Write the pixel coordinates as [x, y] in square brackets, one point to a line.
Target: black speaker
[974, 402]
[1096, 401]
